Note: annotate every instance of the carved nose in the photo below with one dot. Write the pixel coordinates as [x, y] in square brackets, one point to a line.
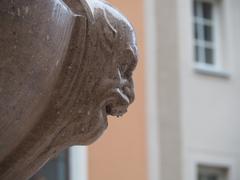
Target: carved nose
[129, 92]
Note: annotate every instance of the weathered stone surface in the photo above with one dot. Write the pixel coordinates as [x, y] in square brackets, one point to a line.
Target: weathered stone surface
[64, 66]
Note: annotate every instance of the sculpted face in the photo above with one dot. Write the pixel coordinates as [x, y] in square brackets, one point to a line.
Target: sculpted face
[107, 76]
[113, 91]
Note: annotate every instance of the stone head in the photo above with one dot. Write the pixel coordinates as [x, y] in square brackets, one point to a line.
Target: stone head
[106, 72]
[65, 66]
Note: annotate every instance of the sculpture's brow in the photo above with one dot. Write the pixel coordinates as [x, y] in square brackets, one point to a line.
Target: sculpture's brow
[134, 59]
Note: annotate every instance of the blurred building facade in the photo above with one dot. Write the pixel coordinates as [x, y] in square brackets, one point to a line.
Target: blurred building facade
[184, 123]
[197, 70]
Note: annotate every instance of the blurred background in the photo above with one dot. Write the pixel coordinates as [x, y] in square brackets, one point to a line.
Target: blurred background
[185, 121]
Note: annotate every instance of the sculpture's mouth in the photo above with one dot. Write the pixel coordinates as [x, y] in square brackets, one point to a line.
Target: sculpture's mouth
[117, 103]
[116, 110]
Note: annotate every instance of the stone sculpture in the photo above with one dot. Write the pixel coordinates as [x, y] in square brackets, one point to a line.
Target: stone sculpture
[65, 65]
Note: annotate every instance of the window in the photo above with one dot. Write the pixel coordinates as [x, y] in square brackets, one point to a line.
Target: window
[57, 168]
[205, 35]
[70, 164]
[212, 173]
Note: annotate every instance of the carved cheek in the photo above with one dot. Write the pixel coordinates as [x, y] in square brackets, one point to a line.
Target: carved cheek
[125, 83]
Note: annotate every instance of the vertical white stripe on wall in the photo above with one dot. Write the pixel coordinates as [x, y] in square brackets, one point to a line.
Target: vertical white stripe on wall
[78, 163]
[151, 89]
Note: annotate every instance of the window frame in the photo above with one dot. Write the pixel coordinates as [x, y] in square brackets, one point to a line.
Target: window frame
[221, 172]
[217, 68]
[211, 160]
[201, 41]
[78, 163]
[75, 162]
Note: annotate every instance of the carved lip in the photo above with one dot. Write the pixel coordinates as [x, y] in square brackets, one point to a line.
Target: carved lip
[116, 110]
[117, 103]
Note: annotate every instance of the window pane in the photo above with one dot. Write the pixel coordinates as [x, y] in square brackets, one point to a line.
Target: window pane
[207, 177]
[209, 56]
[195, 8]
[199, 53]
[197, 50]
[196, 33]
[212, 173]
[207, 10]
[213, 177]
[208, 36]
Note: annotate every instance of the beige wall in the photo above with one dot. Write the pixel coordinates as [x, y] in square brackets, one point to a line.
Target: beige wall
[120, 154]
[168, 90]
[210, 104]
[198, 114]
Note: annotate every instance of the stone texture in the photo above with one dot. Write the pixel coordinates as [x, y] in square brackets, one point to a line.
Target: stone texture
[64, 67]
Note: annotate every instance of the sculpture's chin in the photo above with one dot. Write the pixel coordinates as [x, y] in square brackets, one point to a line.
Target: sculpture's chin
[93, 137]
[98, 125]
[116, 105]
